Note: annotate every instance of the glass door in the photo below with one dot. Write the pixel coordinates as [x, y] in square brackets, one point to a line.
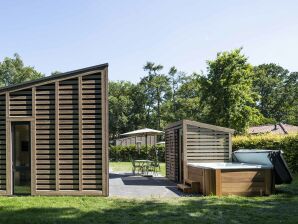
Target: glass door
[21, 158]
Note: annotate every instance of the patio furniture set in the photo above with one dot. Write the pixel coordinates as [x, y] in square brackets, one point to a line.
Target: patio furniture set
[145, 167]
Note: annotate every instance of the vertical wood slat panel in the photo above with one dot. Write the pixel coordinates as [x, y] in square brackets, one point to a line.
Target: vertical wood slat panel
[92, 128]
[68, 135]
[8, 147]
[33, 143]
[105, 131]
[2, 144]
[81, 123]
[57, 134]
[45, 137]
[80, 133]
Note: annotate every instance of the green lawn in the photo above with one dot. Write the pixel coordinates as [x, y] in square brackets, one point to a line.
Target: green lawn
[279, 208]
[126, 166]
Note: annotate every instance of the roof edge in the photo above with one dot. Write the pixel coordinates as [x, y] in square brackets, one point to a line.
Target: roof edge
[210, 126]
[200, 124]
[53, 77]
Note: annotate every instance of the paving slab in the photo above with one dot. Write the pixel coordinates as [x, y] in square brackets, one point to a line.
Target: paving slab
[124, 184]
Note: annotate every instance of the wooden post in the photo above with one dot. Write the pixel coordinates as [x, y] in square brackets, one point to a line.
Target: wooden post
[33, 143]
[9, 162]
[268, 181]
[80, 133]
[218, 185]
[57, 134]
[105, 132]
[184, 149]
[230, 147]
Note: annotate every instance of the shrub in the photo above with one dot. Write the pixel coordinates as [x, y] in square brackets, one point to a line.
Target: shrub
[123, 153]
[287, 143]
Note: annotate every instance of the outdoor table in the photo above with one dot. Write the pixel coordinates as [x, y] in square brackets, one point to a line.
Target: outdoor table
[143, 163]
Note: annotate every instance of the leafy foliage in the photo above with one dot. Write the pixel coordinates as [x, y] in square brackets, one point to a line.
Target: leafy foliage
[227, 91]
[278, 90]
[13, 71]
[123, 153]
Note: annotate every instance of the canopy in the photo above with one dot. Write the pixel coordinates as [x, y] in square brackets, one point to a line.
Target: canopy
[142, 132]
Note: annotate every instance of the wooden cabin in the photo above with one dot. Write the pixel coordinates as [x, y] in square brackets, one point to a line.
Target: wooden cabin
[135, 140]
[54, 135]
[192, 142]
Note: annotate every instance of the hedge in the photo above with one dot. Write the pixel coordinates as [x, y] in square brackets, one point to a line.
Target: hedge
[123, 153]
[287, 143]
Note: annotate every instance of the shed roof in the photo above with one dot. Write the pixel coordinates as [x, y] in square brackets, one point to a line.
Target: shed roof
[200, 124]
[53, 77]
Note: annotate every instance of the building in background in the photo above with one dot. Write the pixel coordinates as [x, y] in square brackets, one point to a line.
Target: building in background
[279, 128]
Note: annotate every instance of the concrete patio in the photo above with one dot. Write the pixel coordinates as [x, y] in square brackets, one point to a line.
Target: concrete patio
[125, 184]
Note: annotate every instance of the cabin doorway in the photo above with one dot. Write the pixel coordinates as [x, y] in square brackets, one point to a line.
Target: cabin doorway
[21, 156]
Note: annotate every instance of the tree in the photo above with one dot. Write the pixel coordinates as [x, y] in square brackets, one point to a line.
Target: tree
[13, 71]
[189, 103]
[120, 104]
[227, 90]
[277, 88]
[157, 90]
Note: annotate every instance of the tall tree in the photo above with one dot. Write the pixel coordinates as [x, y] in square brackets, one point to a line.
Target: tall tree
[157, 89]
[13, 71]
[277, 88]
[120, 105]
[228, 91]
[189, 103]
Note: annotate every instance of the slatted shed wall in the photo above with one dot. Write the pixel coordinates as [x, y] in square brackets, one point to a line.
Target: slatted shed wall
[172, 150]
[21, 103]
[199, 143]
[206, 145]
[45, 137]
[2, 144]
[92, 133]
[68, 115]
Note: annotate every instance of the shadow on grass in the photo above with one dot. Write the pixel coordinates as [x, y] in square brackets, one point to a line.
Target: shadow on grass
[280, 208]
[205, 210]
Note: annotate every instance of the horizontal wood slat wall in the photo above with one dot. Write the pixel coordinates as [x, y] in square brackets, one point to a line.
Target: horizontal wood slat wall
[91, 133]
[21, 103]
[204, 145]
[67, 124]
[199, 143]
[2, 144]
[45, 137]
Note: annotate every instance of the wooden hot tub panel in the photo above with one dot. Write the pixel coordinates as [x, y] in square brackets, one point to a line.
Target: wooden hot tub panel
[251, 182]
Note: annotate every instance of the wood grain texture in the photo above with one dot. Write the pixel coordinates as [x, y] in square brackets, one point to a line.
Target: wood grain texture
[69, 134]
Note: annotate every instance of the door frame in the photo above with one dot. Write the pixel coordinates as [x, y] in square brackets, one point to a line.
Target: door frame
[9, 151]
[13, 141]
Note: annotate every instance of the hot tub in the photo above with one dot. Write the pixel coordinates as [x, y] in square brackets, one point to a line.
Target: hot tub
[227, 178]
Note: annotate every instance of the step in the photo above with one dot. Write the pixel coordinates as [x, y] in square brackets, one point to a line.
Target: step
[195, 185]
[184, 188]
[190, 182]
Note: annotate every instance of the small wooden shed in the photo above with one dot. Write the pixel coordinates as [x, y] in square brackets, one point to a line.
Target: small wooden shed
[190, 142]
[54, 135]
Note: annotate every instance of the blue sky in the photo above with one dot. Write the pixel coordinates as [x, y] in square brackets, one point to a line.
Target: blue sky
[67, 35]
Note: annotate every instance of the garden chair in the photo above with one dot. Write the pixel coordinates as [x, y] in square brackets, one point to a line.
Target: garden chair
[134, 166]
[153, 167]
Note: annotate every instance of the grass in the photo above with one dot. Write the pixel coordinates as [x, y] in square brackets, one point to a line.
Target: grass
[126, 166]
[279, 208]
